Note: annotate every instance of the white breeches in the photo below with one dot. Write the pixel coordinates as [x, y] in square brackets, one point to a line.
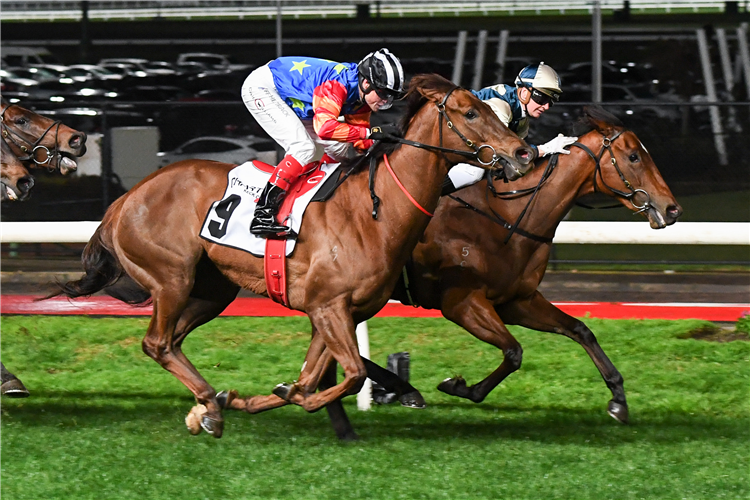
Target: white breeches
[296, 136]
[463, 175]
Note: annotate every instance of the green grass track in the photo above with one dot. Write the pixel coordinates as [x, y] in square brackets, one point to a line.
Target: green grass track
[104, 421]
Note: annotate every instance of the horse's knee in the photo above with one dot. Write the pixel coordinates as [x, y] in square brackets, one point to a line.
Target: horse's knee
[514, 356]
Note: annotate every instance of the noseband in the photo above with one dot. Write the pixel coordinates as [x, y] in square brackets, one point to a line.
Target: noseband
[607, 146]
[27, 147]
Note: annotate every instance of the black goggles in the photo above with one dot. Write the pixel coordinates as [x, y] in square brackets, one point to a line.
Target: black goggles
[387, 94]
[541, 98]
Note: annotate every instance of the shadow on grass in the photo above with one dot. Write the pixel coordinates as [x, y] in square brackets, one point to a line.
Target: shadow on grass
[548, 424]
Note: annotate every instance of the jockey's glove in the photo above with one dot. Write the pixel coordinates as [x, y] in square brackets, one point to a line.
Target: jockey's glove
[556, 145]
[383, 132]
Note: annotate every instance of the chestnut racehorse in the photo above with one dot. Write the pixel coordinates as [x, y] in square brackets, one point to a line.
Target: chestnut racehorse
[346, 262]
[40, 141]
[466, 266]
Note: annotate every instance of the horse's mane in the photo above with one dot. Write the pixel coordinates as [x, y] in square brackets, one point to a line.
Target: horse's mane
[414, 102]
[591, 115]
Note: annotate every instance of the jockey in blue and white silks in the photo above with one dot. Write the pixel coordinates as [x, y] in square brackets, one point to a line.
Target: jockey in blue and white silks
[313, 106]
[537, 87]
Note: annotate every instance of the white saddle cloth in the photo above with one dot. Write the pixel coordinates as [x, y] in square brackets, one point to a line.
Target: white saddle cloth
[228, 221]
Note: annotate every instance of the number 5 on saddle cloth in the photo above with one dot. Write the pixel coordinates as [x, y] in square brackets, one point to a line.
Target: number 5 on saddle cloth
[228, 220]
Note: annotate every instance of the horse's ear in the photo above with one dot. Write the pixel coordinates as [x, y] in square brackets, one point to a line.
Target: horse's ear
[601, 120]
[432, 87]
[432, 94]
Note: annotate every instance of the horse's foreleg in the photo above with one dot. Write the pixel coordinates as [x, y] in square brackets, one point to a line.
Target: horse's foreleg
[538, 313]
[316, 362]
[11, 386]
[163, 343]
[335, 328]
[475, 313]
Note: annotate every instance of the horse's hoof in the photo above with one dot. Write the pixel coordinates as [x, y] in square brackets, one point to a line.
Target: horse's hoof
[193, 419]
[618, 411]
[284, 391]
[413, 400]
[349, 436]
[14, 388]
[213, 426]
[225, 398]
[454, 386]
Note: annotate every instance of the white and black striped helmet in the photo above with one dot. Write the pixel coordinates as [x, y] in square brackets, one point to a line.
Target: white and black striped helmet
[384, 72]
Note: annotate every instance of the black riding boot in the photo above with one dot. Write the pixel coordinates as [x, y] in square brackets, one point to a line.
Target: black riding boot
[264, 220]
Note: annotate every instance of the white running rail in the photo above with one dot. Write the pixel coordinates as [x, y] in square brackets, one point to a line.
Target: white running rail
[638, 233]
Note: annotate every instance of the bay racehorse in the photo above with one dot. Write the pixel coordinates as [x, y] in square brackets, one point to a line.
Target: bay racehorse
[40, 141]
[344, 266]
[15, 185]
[469, 266]
[28, 140]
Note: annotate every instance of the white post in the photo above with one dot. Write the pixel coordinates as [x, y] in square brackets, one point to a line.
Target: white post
[364, 397]
[744, 54]
[502, 50]
[708, 79]
[479, 60]
[458, 63]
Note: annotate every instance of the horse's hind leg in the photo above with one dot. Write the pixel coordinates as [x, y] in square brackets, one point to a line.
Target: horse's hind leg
[11, 386]
[538, 313]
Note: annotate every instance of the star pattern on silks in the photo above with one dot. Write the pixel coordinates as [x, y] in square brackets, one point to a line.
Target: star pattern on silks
[339, 68]
[296, 103]
[299, 66]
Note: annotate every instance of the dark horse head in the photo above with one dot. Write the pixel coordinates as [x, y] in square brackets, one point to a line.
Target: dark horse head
[15, 181]
[38, 140]
[625, 169]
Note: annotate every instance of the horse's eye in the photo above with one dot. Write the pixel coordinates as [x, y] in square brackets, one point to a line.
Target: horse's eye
[21, 120]
[633, 158]
[471, 114]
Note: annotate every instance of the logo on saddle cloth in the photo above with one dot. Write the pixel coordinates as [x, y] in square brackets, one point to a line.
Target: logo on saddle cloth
[228, 220]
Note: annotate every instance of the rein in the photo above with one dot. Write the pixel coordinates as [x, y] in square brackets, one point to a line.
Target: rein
[551, 164]
[27, 147]
[475, 155]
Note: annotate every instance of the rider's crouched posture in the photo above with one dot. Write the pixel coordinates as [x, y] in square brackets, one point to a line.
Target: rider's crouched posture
[537, 87]
[313, 106]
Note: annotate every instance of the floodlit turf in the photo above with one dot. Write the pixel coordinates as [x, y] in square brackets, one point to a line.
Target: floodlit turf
[104, 421]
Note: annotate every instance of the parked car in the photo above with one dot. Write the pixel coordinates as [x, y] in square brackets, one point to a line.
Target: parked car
[98, 72]
[235, 150]
[14, 81]
[128, 67]
[218, 62]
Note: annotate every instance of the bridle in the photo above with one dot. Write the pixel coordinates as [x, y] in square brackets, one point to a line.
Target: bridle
[475, 155]
[443, 112]
[551, 164]
[607, 146]
[31, 149]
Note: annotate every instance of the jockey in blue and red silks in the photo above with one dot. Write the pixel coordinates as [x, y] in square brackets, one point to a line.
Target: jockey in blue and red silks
[299, 102]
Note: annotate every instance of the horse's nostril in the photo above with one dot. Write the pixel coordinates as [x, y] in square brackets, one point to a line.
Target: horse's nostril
[77, 140]
[674, 211]
[25, 184]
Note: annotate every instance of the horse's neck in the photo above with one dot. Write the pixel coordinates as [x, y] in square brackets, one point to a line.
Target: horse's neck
[570, 180]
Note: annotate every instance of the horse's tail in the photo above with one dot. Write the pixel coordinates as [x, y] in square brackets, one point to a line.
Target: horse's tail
[103, 271]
